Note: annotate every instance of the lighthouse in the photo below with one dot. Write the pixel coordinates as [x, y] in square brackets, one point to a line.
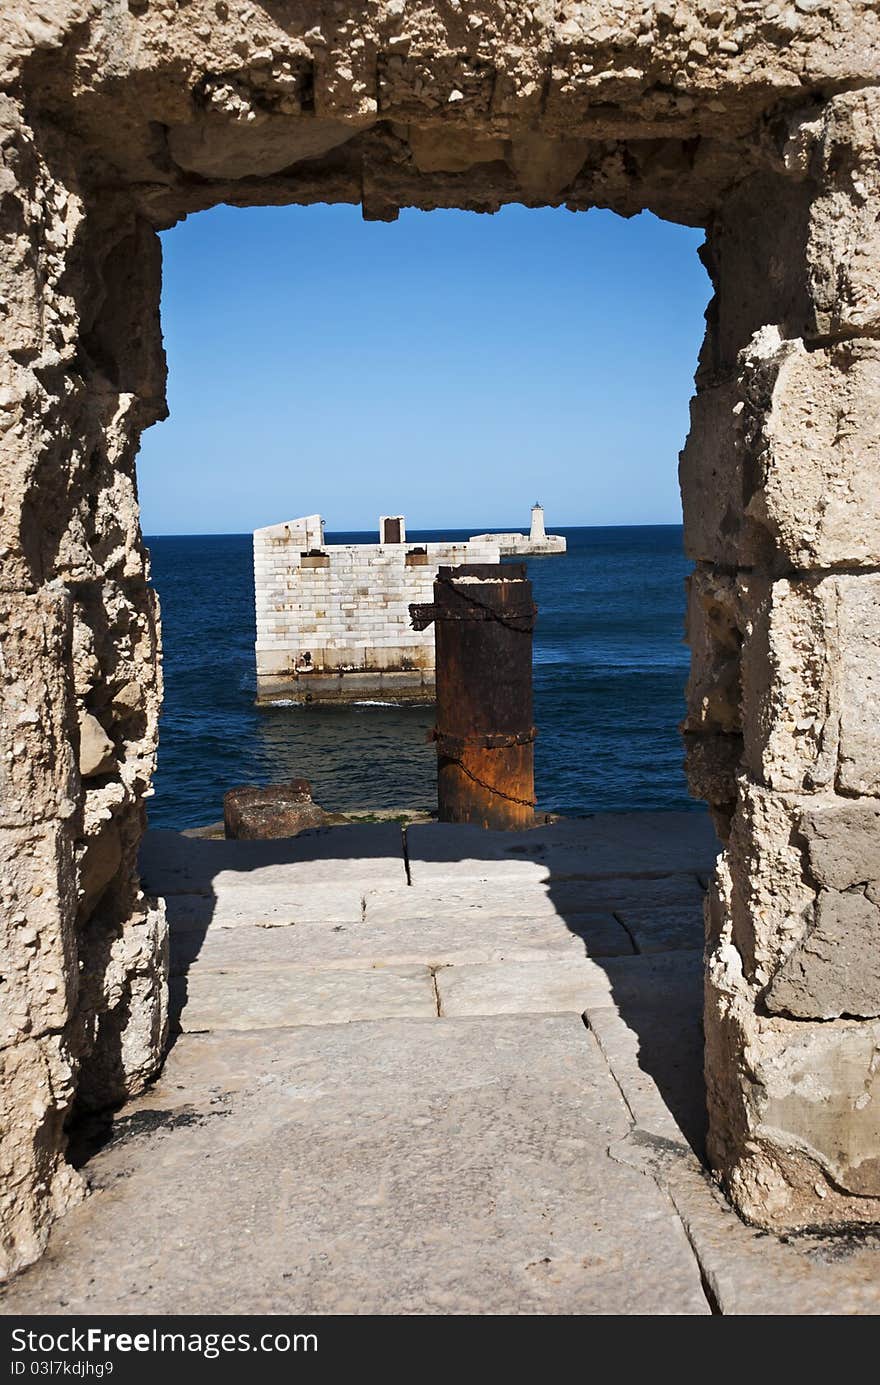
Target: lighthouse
[536, 533]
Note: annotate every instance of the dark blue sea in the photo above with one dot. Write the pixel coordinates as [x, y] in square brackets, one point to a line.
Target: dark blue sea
[610, 669]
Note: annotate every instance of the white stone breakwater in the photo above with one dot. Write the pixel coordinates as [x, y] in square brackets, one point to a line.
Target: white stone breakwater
[333, 620]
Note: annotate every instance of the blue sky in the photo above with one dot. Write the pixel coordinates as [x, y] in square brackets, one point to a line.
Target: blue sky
[449, 366]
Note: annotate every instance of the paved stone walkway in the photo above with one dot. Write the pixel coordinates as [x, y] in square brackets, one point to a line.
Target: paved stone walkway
[443, 1071]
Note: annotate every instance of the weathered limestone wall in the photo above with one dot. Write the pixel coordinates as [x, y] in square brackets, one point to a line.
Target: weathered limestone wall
[83, 995]
[337, 626]
[780, 483]
[756, 121]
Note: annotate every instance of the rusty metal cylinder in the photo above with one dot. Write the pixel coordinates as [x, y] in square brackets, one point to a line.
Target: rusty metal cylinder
[484, 617]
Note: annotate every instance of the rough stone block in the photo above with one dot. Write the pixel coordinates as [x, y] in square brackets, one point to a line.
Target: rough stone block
[842, 842]
[856, 644]
[815, 420]
[96, 749]
[37, 946]
[771, 901]
[712, 763]
[756, 247]
[712, 470]
[37, 718]
[36, 1183]
[124, 1005]
[816, 1093]
[715, 622]
[790, 670]
[100, 858]
[277, 810]
[811, 697]
[843, 244]
[836, 969]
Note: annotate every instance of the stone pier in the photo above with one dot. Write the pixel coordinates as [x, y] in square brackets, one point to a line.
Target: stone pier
[333, 618]
[439, 1071]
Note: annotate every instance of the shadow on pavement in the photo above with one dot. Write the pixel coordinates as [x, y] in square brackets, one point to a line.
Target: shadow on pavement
[644, 870]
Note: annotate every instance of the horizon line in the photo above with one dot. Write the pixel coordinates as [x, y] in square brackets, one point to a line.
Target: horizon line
[421, 529]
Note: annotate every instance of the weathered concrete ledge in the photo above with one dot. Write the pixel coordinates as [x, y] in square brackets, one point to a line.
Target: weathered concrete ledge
[397, 686]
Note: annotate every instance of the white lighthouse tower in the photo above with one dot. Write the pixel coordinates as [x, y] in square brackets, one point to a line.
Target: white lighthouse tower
[537, 541]
[536, 533]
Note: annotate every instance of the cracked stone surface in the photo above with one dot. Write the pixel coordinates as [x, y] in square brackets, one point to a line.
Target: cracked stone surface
[449, 1105]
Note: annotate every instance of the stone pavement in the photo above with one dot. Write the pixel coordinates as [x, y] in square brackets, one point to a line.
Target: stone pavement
[443, 1071]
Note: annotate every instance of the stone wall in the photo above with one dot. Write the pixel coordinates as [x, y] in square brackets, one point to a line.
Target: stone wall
[83, 951]
[779, 480]
[337, 625]
[756, 121]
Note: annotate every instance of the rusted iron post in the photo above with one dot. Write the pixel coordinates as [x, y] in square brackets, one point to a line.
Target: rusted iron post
[483, 617]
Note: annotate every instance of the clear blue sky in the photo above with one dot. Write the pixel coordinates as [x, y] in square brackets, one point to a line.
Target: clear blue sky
[448, 366]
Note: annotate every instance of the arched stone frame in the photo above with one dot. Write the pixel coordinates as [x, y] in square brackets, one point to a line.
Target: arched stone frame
[761, 126]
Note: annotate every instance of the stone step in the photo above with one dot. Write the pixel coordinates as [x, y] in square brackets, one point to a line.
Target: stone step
[606, 844]
[266, 906]
[362, 854]
[431, 941]
[559, 984]
[249, 998]
[243, 996]
[532, 899]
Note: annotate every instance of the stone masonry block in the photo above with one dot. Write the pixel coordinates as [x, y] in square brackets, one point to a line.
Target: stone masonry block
[37, 715]
[36, 1183]
[835, 970]
[756, 255]
[857, 648]
[791, 666]
[38, 955]
[772, 900]
[712, 763]
[842, 151]
[714, 633]
[842, 839]
[714, 473]
[816, 1093]
[814, 424]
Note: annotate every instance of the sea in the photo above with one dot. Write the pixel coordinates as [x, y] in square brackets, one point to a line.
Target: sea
[610, 668]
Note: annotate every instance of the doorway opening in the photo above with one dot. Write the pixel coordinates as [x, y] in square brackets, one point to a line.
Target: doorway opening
[447, 368]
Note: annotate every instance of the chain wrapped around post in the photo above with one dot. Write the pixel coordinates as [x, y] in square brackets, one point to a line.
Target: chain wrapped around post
[483, 616]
